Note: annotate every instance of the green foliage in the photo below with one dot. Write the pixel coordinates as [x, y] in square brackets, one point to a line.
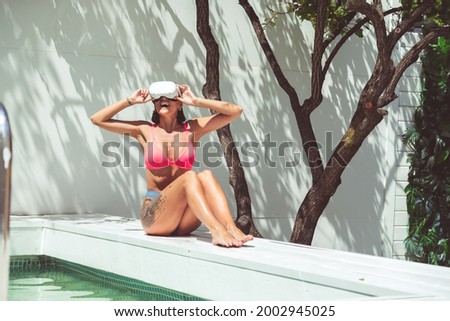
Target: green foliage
[305, 10]
[336, 14]
[428, 142]
[438, 13]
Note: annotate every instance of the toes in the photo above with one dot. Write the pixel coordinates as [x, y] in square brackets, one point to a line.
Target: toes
[228, 241]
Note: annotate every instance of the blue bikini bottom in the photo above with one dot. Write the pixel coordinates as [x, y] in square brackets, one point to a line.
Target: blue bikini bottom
[152, 194]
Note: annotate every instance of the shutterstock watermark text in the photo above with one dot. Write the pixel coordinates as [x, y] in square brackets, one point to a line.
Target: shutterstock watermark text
[267, 152]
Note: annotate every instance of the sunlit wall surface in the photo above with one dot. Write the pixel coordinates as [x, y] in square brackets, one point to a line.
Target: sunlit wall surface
[61, 61]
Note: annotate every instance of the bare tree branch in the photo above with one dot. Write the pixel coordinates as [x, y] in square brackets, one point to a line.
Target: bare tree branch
[407, 23]
[348, 34]
[344, 23]
[317, 74]
[309, 140]
[211, 90]
[282, 80]
[375, 14]
[410, 57]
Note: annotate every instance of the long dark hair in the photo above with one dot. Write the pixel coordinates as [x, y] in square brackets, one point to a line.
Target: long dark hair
[180, 117]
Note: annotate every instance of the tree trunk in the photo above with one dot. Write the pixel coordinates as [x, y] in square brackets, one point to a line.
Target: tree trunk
[211, 90]
[319, 195]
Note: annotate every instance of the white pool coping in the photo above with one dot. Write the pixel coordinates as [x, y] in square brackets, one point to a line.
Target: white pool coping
[262, 270]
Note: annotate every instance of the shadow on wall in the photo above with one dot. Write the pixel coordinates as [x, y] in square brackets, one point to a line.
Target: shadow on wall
[72, 58]
[357, 224]
[66, 60]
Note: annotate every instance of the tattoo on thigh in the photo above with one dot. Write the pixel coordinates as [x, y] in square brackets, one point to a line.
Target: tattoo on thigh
[149, 210]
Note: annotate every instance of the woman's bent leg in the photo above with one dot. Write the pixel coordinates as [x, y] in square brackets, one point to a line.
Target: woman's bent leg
[170, 206]
[188, 224]
[219, 205]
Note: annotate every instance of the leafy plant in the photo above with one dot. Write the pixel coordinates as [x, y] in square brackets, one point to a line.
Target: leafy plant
[337, 17]
[428, 143]
[438, 14]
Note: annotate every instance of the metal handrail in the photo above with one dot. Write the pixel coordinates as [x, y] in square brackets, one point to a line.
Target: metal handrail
[5, 199]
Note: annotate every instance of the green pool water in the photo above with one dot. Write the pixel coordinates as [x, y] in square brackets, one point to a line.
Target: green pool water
[43, 278]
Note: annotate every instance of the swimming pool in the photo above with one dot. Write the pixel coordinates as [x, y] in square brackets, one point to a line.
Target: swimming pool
[262, 270]
[43, 278]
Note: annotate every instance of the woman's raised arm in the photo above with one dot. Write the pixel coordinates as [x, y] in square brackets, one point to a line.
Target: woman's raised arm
[103, 118]
[226, 112]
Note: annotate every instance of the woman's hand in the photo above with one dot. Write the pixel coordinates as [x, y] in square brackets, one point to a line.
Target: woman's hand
[187, 96]
[140, 96]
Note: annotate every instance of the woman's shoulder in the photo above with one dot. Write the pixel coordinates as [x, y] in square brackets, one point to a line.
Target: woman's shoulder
[144, 126]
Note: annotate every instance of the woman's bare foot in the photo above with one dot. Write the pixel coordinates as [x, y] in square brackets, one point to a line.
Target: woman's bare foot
[238, 234]
[221, 237]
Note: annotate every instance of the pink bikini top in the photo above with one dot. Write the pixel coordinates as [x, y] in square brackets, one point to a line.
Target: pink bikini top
[156, 159]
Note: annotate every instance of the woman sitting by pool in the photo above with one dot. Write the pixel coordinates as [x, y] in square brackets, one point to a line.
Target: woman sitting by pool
[178, 199]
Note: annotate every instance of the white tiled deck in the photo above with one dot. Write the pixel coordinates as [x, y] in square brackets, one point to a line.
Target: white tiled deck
[261, 270]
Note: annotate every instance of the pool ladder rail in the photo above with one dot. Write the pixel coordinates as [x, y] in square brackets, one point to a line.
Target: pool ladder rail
[5, 199]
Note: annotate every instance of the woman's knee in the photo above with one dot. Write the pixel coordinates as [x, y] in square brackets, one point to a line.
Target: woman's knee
[190, 176]
[206, 174]
[191, 179]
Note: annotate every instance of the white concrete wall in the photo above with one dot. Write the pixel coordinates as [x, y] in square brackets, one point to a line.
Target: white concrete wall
[60, 61]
